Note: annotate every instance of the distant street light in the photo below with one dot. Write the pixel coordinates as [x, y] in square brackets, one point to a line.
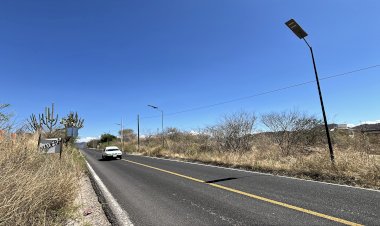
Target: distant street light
[121, 135]
[138, 132]
[297, 30]
[162, 121]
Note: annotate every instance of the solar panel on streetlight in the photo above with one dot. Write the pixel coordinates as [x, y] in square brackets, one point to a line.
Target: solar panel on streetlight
[152, 106]
[296, 28]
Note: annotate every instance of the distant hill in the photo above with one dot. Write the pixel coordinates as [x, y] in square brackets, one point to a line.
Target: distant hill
[81, 145]
[367, 127]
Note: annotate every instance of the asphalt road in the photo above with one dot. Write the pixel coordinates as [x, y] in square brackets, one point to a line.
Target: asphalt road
[163, 192]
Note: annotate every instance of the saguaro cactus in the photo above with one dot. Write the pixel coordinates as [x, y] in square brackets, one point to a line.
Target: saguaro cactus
[48, 119]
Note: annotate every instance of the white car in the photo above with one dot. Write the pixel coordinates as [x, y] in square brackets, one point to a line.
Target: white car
[112, 152]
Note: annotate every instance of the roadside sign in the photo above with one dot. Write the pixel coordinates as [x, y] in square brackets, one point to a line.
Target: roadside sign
[50, 146]
[72, 132]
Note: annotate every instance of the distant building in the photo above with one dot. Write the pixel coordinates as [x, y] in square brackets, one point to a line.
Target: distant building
[333, 127]
[342, 126]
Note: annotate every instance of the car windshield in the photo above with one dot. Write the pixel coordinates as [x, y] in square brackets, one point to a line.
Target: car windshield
[112, 150]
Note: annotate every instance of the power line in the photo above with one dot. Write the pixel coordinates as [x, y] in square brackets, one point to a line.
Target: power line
[262, 93]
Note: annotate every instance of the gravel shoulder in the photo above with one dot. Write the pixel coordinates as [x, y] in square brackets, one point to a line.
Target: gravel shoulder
[89, 211]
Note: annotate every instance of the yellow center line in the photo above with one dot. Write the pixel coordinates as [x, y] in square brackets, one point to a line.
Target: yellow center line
[253, 196]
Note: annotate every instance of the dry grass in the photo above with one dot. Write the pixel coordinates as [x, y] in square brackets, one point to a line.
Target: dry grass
[36, 189]
[354, 165]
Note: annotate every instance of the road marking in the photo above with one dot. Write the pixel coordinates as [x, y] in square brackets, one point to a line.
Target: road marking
[255, 172]
[300, 209]
[166, 171]
[120, 215]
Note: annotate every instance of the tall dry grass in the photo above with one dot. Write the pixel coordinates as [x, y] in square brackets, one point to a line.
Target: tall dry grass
[35, 188]
[354, 163]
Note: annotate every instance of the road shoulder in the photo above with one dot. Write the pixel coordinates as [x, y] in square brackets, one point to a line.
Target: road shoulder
[89, 211]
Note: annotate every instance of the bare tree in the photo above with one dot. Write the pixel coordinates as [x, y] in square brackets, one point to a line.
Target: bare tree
[234, 132]
[292, 129]
[34, 124]
[128, 135]
[5, 117]
[149, 139]
[174, 134]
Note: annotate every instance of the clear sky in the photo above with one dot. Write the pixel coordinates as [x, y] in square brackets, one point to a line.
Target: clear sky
[109, 59]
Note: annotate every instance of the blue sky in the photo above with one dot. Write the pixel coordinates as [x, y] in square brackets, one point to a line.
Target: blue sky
[109, 59]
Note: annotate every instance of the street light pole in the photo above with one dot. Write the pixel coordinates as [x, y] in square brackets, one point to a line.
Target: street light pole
[162, 122]
[297, 29]
[138, 132]
[332, 157]
[162, 128]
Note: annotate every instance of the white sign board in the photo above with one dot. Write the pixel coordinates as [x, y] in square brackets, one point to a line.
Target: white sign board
[50, 146]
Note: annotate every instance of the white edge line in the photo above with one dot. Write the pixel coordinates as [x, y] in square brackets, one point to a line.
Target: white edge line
[120, 215]
[255, 172]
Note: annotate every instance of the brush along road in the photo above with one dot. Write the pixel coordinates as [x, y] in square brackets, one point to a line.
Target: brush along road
[163, 192]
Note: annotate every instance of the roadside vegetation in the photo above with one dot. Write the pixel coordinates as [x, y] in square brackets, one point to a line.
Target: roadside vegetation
[36, 188]
[289, 143]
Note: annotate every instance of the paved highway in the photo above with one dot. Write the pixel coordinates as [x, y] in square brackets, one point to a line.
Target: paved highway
[164, 192]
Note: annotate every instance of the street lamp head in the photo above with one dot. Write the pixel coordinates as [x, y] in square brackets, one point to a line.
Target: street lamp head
[152, 106]
[296, 28]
